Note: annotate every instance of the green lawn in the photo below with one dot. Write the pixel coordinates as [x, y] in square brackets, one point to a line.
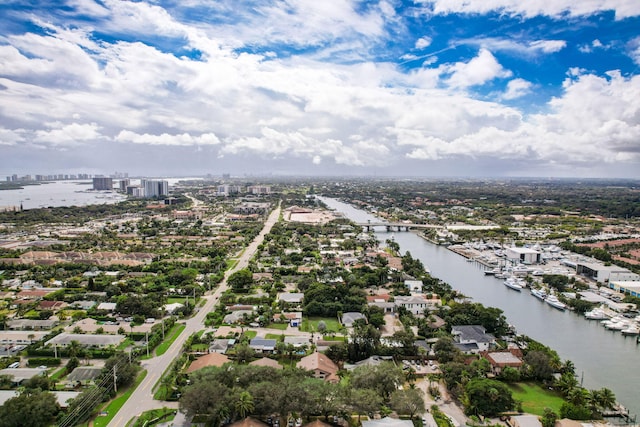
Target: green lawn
[273, 337]
[281, 326]
[535, 398]
[149, 418]
[334, 338]
[310, 324]
[199, 347]
[115, 405]
[180, 300]
[170, 337]
[250, 334]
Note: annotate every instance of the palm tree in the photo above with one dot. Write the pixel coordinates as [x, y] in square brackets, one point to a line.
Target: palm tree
[566, 383]
[244, 404]
[606, 399]
[579, 396]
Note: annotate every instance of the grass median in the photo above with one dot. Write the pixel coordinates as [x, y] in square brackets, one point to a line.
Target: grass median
[116, 404]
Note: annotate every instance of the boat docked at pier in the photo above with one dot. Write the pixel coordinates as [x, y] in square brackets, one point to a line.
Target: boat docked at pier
[513, 283]
[632, 329]
[539, 293]
[554, 302]
[597, 313]
[493, 271]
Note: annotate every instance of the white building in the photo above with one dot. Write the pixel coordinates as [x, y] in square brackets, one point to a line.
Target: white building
[155, 188]
[415, 304]
[523, 255]
[605, 273]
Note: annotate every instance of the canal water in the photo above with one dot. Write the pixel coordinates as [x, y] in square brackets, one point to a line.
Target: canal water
[602, 358]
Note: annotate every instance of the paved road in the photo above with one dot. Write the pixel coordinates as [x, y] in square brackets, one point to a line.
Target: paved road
[142, 398]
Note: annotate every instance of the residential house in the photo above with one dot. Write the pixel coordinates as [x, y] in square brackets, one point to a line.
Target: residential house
[220, 345]
[265, 361]
[322, 367]
[416, 304]
[86, 340]
[248, 422]
[472, 339]
[382, 301]
[211, 359]
[294, 318]
[236, 316]
[501, 359]
[387, 422]
[291, 297]
[296, 341]
[349, 318]
[414, 286]
[262, 345]
[107, 306]
[31, 324]
[525, 421]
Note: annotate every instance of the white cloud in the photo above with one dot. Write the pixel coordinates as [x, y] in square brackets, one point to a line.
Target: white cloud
[477, 71]
[300, 107]
[11, 136]
[183, 139]
[423, 42]
[634, 50]
[69, 134]
[531, 8]
[517, 88]
[525, 48]
[548, 46]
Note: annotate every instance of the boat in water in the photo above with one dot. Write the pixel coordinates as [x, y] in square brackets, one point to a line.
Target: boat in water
[554, 302]
[493, 271]
[596, 314]
[512, 283]
[539, 293]
[631, 330]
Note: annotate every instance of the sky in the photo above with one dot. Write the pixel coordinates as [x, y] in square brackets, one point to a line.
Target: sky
[436, 88]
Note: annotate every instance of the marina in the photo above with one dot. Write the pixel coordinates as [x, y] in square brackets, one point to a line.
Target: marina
[603, 358]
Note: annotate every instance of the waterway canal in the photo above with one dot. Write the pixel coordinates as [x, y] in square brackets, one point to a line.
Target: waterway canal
[602, 358]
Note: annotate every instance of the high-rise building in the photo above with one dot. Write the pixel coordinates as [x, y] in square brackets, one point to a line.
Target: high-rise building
[124, 183]
[155, 188]
[102, 183]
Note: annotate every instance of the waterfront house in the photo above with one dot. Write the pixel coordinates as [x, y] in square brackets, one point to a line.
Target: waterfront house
[501, 359]
[472, 339]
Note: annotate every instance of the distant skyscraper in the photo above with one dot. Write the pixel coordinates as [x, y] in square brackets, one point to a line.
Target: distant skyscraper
[102, 183]
[155, 188]
[124, 183]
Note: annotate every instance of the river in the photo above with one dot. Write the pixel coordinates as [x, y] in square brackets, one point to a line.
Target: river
[602, 358]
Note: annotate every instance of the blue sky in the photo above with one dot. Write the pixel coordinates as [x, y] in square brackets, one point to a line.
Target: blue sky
[420, 88]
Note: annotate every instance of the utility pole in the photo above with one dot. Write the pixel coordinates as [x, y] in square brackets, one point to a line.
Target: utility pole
[147, 339]
[115, 379]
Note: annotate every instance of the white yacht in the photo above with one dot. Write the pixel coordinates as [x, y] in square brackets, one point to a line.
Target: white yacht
[618, 326]
[596, 314]
[493, 271]
[521, 270]
[554, 302]
[632, 329]
[512, 283]
[539, 293]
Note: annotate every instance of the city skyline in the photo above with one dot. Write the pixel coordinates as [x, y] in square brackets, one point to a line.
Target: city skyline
[439, 88]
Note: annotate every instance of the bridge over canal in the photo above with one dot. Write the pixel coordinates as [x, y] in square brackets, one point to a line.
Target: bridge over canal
[400, 226]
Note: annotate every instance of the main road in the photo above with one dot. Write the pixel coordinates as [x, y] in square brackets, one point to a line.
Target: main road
[142, 398]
